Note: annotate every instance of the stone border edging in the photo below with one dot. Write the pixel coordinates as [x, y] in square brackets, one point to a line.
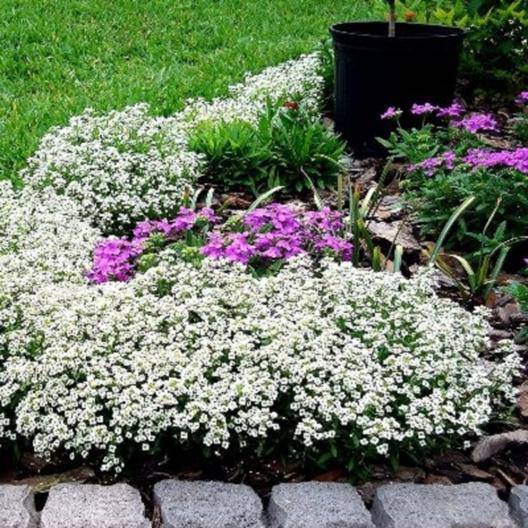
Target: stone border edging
[200, 504]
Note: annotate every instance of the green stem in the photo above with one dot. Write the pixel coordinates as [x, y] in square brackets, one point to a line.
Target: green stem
[392, 18]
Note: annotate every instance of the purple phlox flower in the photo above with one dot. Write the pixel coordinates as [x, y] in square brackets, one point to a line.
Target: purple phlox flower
[391, 113]
[208, 214]
[184, 220]
[522, 98]
[519, 159]
[215, 246]
[165, 227]
[239, 250]
[232, 246]
[285, 221]
[431, 165]
[455, 110]
[276, 245]
[479, 157]
[516, 159]
[340, 246]
[113, 259]
[281, 217]
[422, 109]
[478, 123]
[325, 219]
[144, 229]
[449, 159]
[258, 218]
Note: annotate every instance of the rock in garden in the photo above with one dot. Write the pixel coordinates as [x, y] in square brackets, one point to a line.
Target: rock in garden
[207, 505]
[93, 506]
[395, 232]
[491, 445]
[519, 505]
[17, 507]
[522, 399]
[474, 505]
[317, 505]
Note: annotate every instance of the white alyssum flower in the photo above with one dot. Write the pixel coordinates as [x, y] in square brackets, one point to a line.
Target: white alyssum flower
[214, 355]
[43, 241]
[298, 79]
[120, 167]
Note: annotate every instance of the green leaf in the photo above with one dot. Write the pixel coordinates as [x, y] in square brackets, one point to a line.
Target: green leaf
[445, 231]
[264, 197]
[398, 254]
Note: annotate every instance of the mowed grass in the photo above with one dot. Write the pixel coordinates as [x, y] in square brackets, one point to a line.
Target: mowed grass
[60, 56]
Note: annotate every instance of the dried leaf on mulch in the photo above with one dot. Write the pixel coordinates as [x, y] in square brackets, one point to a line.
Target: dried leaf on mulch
[437, 479]
[43, 483]
[33, 462]
[409, 474]
[475, 473]
[330, 476]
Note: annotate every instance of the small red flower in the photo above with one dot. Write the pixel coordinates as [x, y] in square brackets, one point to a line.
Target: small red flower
[291, 105]
[410, 16]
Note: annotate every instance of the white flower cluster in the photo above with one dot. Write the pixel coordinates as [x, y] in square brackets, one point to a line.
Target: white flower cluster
[216, 356]
[43, 242]
[298, 79]
[120, 167]
[124, 166]
[42, 238]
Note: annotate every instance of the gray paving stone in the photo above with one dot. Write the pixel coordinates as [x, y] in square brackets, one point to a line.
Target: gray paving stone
[93, 506]
[17, 507]
[208, 505]
[473, 505]
[519, 505]
[317, 505]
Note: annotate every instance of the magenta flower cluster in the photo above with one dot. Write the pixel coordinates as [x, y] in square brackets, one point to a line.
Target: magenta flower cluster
[268, 234]
[454, 111]
[522, 99]
[515, 159]
[391, 113]
[477, 158]
[473, 123]
[114, 258]
[476, 123]
[279, 232]
[431, 165]
[423, 109]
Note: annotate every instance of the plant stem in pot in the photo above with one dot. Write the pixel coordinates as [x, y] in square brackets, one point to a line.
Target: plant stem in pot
[392, 18]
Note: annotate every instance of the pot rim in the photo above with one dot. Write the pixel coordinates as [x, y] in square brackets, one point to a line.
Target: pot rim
[446, 32]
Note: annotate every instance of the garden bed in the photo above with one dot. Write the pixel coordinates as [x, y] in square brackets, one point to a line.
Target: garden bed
[228, 281]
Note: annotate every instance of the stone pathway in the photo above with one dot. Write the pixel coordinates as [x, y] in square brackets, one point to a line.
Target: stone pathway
[304, 505]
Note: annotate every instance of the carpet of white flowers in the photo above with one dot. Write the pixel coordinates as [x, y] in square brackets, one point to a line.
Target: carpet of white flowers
[209, 353]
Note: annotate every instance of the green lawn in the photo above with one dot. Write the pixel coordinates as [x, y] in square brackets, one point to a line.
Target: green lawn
[60, 56]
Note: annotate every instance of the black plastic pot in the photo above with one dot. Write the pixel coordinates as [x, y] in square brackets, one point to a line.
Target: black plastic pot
[373, 72]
